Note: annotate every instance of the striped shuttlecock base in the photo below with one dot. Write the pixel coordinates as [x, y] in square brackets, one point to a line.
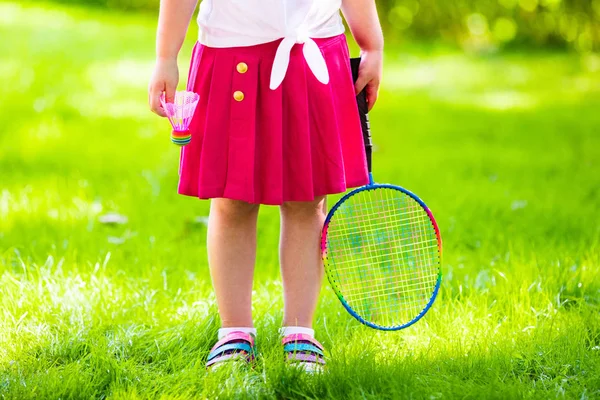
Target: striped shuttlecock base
[181, 138]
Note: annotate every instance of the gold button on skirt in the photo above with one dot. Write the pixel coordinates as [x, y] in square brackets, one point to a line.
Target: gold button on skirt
[242, 68]
[238, 95]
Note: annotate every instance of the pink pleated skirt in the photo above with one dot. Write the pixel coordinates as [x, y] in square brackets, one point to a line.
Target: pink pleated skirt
[258, 145]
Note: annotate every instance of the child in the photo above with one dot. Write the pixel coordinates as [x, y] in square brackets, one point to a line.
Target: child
[277, 123]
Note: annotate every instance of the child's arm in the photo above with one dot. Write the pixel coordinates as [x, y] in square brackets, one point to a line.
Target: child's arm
[363, 21]
[173, 21]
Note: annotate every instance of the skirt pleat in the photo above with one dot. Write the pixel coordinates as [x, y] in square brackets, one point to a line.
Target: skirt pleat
[269, 143]
[296, 133]
[295, 143]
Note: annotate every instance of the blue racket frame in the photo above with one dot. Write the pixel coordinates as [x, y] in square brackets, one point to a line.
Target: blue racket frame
[373, 186]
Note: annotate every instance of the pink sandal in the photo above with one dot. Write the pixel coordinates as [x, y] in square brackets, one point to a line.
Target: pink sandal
[234, 346]
[304, 350]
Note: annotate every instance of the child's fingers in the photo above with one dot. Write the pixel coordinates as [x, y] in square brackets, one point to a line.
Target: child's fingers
[170, 93]
[154, 100]
[361, 82]
[372, 93]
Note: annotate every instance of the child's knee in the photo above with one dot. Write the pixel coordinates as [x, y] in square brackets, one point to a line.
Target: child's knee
[233, 208]
[304, 208]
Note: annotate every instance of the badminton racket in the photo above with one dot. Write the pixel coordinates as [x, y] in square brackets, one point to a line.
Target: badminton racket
[382, 248]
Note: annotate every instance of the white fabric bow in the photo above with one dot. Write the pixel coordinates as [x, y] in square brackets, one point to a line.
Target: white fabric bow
[312, 54]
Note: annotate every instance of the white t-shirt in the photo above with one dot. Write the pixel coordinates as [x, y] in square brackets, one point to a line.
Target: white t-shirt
[233, 23]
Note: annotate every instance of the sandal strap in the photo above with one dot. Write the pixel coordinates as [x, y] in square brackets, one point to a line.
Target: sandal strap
[238, 346]
[225, 357]
[297, 347]
[237, 335]
[313, 358]
[299, 337]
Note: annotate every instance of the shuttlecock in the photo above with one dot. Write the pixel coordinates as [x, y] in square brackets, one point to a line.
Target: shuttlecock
[180, 113]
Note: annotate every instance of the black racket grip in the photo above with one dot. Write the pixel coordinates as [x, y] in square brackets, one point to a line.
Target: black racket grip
[363, 112]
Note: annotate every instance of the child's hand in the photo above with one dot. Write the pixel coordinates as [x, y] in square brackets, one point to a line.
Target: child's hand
[369, 74]
[164, 79]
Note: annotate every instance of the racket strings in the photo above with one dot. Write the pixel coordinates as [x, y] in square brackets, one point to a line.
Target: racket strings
[383, 256]
[392, 291]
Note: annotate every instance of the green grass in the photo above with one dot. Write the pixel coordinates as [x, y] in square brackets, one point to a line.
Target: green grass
[504, 148]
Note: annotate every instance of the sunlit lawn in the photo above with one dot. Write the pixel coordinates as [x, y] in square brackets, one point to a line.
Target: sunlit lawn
[504, 148]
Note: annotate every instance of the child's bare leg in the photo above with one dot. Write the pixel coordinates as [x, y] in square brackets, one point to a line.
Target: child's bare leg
[301, 265]
[231, 256]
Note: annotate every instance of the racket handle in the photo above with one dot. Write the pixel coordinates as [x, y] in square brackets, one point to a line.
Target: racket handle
[363, 112]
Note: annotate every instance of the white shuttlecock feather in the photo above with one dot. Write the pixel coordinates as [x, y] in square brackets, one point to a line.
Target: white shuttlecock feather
[181, 110]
